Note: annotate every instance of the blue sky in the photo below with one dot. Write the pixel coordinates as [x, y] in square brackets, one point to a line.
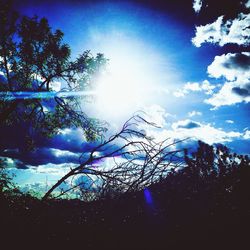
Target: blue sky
[185, 63]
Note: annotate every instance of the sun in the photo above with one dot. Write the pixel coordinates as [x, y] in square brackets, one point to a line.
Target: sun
[136, 77]
[118, 89]
[123, 88]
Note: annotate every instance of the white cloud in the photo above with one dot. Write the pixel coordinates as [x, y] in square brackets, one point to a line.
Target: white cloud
[246, 135]
[157, 114]
[221, 32]
[208, 33]
[229, 121]
[197, 5]
[8, 162]
[247, 4]
[205, 87]
[185, 124]
[227, 96]
[54, 169]
[202, 131]
[193, 130]
[59, 153]
[232, 66]
[179, 93]
[194, 113]
[55, 86]
[192, 86]
[235, 67]
[65, 131]
[223, 97]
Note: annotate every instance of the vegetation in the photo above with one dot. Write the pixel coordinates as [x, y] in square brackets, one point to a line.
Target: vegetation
[153, 196]
[33, 58]
[206, 202]
[141, 161]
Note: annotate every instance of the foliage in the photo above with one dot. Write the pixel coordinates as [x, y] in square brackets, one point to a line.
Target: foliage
[188, 206]
[214, 161]
[5, 180]
[7, 185]
[32, 58]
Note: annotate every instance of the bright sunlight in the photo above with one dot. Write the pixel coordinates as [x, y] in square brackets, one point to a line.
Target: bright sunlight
[126, 85]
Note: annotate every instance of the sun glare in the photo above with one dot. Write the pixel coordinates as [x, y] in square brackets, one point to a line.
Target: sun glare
[124, 87]
[119, 89]
[137, 76]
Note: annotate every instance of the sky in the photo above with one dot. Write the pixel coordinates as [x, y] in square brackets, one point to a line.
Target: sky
[185, 63]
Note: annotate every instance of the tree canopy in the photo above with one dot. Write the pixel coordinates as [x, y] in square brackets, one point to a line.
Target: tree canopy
[33, 59]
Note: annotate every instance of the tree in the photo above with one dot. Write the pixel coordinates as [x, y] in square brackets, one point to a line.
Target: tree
[5, 180]
[32, 58]
[214, 161]
[137, 161]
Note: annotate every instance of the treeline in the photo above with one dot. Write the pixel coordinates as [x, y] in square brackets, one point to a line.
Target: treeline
[207, 203]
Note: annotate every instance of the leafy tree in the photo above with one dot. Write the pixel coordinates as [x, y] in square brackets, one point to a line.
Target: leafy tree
[32, 58]
[7, 186]
[215, 160]
[5, 179]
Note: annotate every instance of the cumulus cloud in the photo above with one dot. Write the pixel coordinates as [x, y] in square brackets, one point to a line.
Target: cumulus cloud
[232, 66]
[67, 146]
[229, 121]
[235, 68]
[186, 124]
[197, 5]
[157, 114]
[228, 95]
[7, 162]
[194, 113]
[55, 169]
[246, 135]
[193, 130]
[236, 31]
[243, 91]
[189, 87]
[43, 155]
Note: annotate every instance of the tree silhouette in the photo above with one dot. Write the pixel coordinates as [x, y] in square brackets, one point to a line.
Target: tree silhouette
[143, 161]
[197, 196]
[191, 205]
[216, 160]
[32, 58]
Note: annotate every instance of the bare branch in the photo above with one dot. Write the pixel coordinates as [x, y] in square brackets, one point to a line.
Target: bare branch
[138, 161]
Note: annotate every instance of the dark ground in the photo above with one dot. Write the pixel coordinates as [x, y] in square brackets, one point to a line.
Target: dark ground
[186, 211]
